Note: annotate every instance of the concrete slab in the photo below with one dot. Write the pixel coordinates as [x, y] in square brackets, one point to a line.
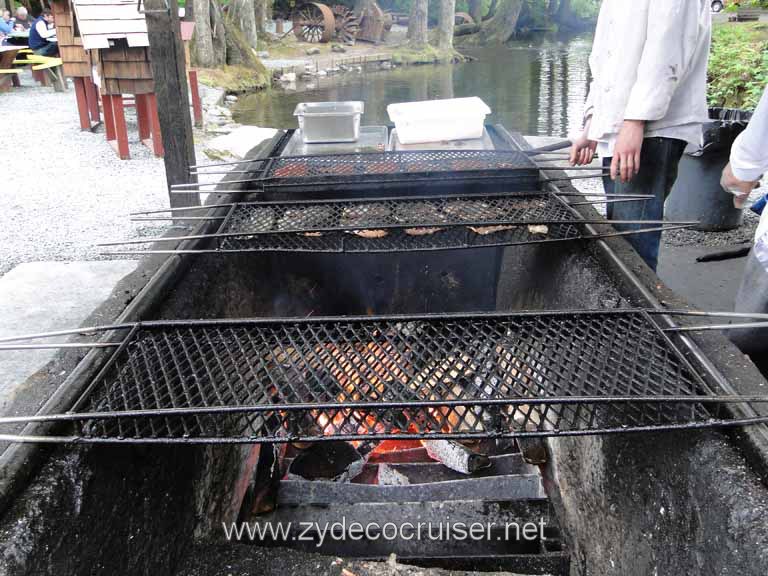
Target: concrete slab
[46, 296]
[707, 285]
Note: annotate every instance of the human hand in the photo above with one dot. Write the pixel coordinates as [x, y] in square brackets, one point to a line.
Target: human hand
[582, 148]
[739, 188]
[626, 153]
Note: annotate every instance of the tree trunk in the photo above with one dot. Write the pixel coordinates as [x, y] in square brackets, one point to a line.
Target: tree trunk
[417, 22]
[189, 12]
[552, 9]
[218, 33]
[203, 50]
[243, 15]
[466, 29]
[239, 50]
[262, 8]
[564, 13]
[476, 10]
[445, 24]
[492, 10]
[503, 25]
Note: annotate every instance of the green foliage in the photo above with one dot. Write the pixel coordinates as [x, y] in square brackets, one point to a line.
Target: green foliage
[586, 8]
[738, 65]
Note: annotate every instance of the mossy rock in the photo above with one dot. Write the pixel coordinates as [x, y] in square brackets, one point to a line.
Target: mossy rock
[236, 79]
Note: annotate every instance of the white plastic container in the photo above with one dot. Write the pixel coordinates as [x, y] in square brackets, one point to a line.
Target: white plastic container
[325, 122]
[439, 120]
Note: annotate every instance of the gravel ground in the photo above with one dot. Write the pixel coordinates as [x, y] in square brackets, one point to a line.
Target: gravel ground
[742, 235]
[65, 190]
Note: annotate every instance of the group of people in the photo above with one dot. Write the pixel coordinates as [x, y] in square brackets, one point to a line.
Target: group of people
[647, 103]
[42, 31]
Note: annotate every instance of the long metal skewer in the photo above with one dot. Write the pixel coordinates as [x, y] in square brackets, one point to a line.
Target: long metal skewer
[276, 181]
[70, 332]
[386, 226]
[298, 407]
[4, 347]
[532, 152]
[167, 218]
[130, 325]
[527, 243]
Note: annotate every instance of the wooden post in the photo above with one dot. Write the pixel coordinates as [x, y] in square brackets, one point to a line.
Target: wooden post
[92, 95]
[168, 68]
[82, 103]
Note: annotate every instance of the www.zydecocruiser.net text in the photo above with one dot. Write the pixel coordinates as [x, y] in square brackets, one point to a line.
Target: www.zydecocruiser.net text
[344, 530]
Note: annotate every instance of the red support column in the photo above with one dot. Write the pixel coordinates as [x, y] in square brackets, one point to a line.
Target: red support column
[82, 103]
[157, 140]
[121, 130]
[109, 117]
[92, 94]
[197, 105]
[142, 115]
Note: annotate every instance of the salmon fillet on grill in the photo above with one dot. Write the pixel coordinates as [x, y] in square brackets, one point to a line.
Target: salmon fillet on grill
[420, 212]
[317, 216]
[365, 214]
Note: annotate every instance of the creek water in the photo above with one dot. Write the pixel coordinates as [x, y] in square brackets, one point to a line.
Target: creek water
[535, 86]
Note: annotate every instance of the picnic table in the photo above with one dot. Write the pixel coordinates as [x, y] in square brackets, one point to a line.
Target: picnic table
[8, 74]
[18, 38]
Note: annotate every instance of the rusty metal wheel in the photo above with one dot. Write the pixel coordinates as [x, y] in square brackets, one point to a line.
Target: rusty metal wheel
[347, 24]
[313, 22]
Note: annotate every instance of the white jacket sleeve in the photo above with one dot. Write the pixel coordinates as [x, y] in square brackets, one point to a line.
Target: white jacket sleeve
[749, 154]
[664, 60]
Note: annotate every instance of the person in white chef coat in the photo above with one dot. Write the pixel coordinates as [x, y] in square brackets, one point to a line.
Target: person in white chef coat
[646, 103]
[749, 161]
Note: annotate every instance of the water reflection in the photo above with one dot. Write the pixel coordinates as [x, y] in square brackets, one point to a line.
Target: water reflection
[535, 86]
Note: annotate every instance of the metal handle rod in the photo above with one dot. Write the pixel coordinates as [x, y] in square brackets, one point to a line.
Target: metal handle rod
[528, 243]
[189, 208]
[390, 154]
[389, 226]
[81, 331]
[166, 218]
[616, 201]
[5, 347]
[137, 216]
[709, 314]
[192, 185]
[565, 168]
[711, 327]
[299, 407]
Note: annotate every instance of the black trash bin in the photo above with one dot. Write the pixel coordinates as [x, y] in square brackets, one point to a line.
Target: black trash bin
[697, 194]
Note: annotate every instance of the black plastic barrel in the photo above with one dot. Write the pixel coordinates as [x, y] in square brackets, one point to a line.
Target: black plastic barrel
[697, 194]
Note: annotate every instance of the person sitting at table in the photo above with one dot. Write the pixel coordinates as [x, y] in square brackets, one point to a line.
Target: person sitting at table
[22, 21]
[6, 23]
[40, 34]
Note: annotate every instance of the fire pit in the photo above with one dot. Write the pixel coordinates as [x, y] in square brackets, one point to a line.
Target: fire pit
[401, 409]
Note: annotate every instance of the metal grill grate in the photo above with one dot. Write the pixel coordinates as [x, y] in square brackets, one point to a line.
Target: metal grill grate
[397, 224]
[457, 376]
[394, 163]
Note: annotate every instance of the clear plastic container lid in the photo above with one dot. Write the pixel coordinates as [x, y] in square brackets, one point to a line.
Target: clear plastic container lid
[329, 108]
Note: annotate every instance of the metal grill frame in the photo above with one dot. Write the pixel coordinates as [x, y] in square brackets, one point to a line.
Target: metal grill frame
[432, 164]
[451, 235]
[578, 406]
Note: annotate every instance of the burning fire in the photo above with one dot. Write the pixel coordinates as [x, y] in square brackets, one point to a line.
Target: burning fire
[374, 372]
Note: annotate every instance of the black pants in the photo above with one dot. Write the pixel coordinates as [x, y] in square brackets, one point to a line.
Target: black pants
[658, 171]
[753, 297]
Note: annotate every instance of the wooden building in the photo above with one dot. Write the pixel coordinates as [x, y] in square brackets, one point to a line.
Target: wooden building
[76, 63]
[104, 47]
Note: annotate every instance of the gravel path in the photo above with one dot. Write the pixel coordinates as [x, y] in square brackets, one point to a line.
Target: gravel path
[65, 190]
